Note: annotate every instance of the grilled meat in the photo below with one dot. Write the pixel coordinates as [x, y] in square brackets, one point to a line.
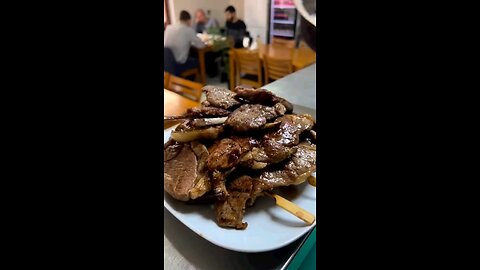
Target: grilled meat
[185, 175]
[188, 132]
[244, 190]
[224, 156]
[220, 97]
[230, 211]
[206, 112]
[278, 145]
[295, 171]
[261, 96]
[253, 117]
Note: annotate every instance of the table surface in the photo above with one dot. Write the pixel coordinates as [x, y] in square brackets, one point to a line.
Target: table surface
[184, 249]
[298, 87]
[175, 104]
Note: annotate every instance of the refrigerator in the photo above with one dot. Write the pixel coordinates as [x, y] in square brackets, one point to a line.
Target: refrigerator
[283, 20]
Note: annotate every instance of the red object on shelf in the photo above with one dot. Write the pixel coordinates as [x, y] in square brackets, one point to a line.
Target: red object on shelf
[284, 3]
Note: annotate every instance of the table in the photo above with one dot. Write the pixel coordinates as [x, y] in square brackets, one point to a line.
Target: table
[175, 104]
[201, 63]
[213, 43]
[301, 57]
[184, 249]
[297, 87]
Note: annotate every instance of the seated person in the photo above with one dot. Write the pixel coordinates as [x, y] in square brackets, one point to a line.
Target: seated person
[202, 22]
[235, 27]
[179, 37]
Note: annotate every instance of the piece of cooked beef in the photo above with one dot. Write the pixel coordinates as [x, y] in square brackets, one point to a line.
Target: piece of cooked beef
[262, 96]
[206, 112]
[187, 132]
[246, 143]
[224, 156]
[230, 211]
[220, 97]
[295, 171]
[244, 190]
[253, 116]
[242, 87]
[200, 112]
[185, 175]
[277, 145]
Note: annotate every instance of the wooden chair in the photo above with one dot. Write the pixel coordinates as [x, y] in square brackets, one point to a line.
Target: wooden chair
[276, 68]
[166, 79]
[303, 44]
[249, 67]
[289, 43]
[191, 72]
[186, 88]
[171, 66]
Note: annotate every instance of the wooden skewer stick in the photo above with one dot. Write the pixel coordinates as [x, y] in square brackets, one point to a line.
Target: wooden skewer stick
[293, 208]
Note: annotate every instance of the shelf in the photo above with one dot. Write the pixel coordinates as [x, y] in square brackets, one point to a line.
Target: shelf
[284, 7]
[282, 34]
[284, 21]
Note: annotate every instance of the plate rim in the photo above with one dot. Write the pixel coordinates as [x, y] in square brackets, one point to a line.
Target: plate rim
[283, 244]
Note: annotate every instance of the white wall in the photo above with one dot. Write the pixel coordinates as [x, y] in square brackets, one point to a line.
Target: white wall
[256, 18]
[253, 12]
[216, 7]
[239, 7]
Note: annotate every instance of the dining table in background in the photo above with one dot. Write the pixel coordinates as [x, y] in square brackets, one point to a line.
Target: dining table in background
[175, 104]
[201, 62]
[213, 43]
[301, 57]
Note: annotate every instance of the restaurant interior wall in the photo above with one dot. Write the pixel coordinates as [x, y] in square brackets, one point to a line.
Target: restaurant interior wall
[216, 7]
[256, 18]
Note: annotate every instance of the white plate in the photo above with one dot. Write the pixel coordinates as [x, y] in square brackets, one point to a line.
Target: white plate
[312, 18]
[269, 226]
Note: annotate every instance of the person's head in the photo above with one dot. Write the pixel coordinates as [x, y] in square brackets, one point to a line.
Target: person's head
[200, 16]
[230, 14]
[185, 17]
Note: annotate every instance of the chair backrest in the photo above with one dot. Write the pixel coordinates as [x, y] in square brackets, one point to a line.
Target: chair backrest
[289, 43]
[276, 68]
[169, 63]
[189, 89]
[248, 62]
[303, 44]
[166, 79]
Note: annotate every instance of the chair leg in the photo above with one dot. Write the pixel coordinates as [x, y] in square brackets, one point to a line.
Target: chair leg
[197, 75]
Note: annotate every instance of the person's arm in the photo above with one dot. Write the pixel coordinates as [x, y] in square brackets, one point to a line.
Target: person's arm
[195, 41]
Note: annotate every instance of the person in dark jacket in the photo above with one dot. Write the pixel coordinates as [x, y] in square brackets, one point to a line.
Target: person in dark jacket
[235, 27]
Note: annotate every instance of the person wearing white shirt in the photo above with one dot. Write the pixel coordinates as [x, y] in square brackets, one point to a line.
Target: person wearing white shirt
[180, 37]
